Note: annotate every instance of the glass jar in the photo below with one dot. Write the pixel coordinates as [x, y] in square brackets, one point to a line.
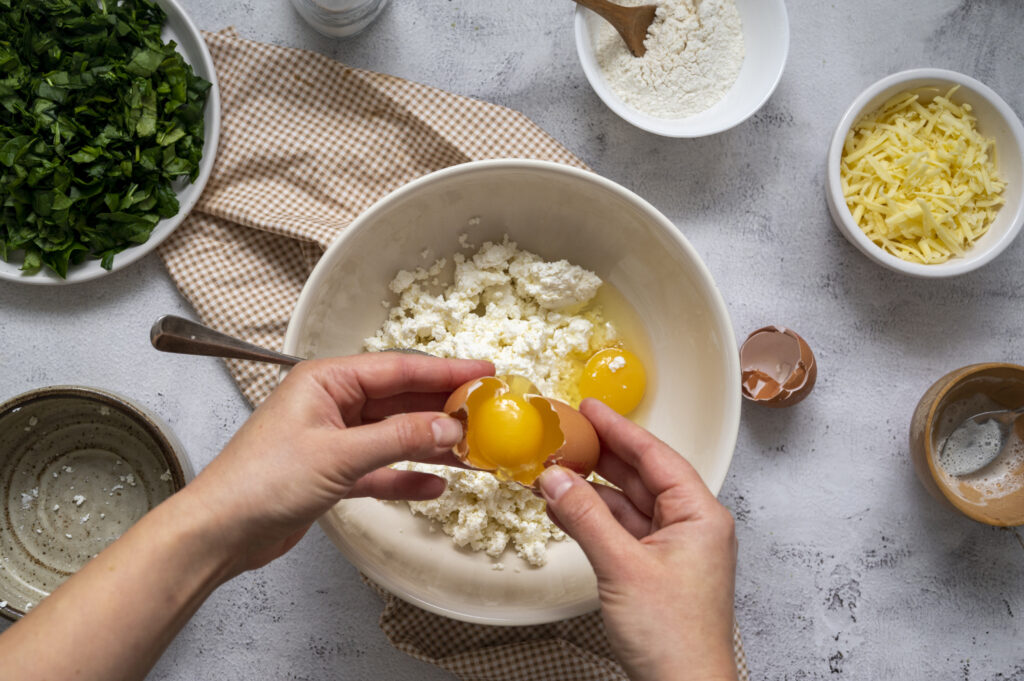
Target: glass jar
[339, 18]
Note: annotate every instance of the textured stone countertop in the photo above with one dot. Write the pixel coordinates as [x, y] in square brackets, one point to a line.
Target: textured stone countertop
[846, 567]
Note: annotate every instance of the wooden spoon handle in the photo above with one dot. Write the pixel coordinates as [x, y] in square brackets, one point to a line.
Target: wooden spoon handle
[631, 22]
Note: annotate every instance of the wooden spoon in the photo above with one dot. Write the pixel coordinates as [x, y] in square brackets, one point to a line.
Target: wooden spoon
[631, 22]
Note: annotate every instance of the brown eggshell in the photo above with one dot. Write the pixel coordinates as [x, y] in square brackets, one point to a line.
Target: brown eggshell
[455, 406]
[778, 367]
[582, 448]
[457, 400]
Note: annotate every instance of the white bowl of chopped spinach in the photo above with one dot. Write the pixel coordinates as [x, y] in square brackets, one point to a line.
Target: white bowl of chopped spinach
[109, 121]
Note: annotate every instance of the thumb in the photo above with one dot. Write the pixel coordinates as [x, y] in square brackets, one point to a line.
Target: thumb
[414, 437]
[586, 518]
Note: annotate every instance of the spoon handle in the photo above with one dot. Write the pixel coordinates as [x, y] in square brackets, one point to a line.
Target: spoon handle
[630, 22]
[183, 336]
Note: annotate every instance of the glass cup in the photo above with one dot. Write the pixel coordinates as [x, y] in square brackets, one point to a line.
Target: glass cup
[339, 18]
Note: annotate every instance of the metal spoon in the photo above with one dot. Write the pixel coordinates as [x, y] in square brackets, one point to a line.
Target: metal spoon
[186, 337]
[971, 447]
[631, 22]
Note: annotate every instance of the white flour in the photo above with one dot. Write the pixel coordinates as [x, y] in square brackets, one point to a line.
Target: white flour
[694, 54]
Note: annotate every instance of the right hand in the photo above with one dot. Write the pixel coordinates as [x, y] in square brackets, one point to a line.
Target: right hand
[663, 550]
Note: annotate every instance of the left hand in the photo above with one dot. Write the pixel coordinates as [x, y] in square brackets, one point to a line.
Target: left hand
[329, 432]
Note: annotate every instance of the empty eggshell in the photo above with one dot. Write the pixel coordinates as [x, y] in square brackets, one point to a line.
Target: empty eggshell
[582, 447]
[778, 367]
[579, 446]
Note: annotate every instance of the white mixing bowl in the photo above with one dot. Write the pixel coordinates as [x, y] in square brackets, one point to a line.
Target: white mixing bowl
[557, 212]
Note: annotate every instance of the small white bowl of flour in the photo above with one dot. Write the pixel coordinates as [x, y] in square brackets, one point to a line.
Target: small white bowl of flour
[710, 64]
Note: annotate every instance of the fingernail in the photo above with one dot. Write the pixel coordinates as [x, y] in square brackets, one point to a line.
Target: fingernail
[554, 482]
[447, 431]
[440, 484]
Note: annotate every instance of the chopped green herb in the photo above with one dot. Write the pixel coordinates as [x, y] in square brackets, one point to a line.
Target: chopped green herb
[98, 116]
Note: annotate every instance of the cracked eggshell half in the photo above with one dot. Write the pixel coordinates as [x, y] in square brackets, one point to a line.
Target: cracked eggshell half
[778, 367]
[567, 438]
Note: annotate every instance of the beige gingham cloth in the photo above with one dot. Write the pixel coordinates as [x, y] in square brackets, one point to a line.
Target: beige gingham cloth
[306, 145]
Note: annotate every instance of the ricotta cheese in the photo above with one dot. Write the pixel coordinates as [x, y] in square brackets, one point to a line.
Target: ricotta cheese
[529, 317]
[505, 305]
[481, 513]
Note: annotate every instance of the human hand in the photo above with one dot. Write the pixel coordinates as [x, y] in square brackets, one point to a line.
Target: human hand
[327, 433]
[663, 550]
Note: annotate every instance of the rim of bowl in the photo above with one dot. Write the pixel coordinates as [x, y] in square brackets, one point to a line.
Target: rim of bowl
[170, 447]
[385, 581]
[733, 406]
[666, 127]
[966, 373]
[166, 227]
[834, 192]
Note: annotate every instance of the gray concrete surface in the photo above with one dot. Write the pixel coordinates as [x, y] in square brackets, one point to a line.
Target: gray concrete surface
[847, 568]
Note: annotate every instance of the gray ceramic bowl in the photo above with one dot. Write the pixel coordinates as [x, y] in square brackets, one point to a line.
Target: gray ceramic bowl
[78, 467]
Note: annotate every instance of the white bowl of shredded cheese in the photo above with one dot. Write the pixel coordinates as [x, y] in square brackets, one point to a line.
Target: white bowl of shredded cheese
[925, 173]
[370, 288]
[709, 65]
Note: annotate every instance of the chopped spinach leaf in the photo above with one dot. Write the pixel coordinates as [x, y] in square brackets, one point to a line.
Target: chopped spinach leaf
[98, 117]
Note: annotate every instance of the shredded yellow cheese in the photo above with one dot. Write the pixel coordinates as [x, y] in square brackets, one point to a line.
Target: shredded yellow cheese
[919, 179]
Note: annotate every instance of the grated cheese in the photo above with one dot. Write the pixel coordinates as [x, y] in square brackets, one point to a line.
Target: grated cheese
[919, 179]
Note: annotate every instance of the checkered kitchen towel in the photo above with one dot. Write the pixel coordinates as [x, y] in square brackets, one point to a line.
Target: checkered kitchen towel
[306, 145]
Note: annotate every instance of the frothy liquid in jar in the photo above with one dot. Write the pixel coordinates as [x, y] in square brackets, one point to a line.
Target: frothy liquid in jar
[965, 450]
[1002, 476]
[970, 447]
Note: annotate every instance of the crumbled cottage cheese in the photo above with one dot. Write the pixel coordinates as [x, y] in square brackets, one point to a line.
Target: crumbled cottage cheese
[528, 317]
[505, 305]
[484, 514]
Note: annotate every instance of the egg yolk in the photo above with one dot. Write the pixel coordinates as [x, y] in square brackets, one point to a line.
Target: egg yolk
[509, 433]
[506, 430]
[616, 377]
